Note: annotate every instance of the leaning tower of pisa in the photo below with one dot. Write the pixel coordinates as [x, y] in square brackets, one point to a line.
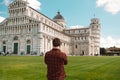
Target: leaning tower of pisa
[95, 36]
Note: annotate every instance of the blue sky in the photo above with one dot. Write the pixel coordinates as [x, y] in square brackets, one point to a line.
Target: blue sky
[79, 13]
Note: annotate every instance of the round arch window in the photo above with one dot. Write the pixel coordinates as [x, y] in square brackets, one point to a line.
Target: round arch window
[15, 38]
[4, 42]
[28, 41]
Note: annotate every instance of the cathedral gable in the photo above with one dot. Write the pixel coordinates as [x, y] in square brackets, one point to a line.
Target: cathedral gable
[17, 4]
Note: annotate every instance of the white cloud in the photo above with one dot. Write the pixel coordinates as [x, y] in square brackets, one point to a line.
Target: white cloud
[109, 42]
[112, 6]
[1, 19]
[77, 26]
[7, 2]
[34, 4]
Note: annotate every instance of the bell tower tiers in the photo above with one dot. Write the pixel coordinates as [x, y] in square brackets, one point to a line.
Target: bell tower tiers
[60, 20]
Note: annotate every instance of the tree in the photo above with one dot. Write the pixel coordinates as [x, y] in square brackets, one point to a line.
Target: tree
[102, 51]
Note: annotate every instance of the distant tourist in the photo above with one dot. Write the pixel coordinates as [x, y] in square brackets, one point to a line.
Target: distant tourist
[55, 60]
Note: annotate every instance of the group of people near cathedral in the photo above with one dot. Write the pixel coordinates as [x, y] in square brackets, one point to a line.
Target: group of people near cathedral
[4, 54]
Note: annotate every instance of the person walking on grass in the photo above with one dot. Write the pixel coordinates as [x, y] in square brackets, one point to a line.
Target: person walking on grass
[55, 60]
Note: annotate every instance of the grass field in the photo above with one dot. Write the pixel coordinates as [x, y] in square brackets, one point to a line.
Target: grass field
[79, 68]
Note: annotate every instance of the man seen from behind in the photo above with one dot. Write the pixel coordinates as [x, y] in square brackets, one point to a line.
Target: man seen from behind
[55, 60]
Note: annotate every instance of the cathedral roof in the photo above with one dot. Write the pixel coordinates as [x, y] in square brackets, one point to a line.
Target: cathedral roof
[58, 16]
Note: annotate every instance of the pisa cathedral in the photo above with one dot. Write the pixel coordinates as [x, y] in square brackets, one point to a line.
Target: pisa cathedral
[28, 31]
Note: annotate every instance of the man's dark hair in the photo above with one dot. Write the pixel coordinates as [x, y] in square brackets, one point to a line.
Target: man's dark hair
[56, 42]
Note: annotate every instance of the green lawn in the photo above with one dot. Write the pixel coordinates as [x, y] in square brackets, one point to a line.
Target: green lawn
[78, 68]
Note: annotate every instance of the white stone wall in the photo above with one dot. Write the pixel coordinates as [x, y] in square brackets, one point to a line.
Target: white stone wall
[25, 23]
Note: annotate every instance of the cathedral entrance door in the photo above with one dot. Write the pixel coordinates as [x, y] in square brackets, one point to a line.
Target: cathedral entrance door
[4, 49]
[83, 52]
[28, 49]
[15, 48]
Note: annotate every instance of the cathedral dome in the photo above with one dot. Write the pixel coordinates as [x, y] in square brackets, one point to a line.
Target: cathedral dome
[59, 19]
[58, 16]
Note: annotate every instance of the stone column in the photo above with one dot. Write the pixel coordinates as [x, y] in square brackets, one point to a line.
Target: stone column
[9, 45]
[40, 27]
[22, 44]
[46, 44]
[41, 44]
